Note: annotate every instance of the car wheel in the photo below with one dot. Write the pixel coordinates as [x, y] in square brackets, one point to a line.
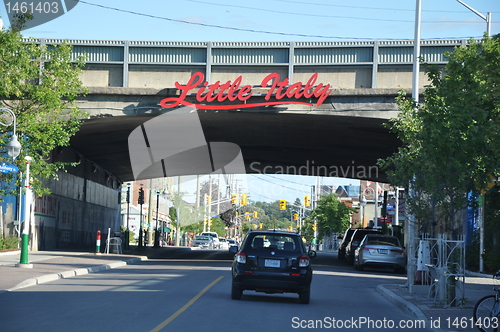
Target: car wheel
[305, 296]
[356, 266]
[236, 292]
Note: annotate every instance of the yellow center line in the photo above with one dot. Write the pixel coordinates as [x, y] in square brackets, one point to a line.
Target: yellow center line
[187, 305]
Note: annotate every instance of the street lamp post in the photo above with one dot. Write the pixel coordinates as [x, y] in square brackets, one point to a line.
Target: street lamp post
[13, 147]
[27, 213]
[487, 18]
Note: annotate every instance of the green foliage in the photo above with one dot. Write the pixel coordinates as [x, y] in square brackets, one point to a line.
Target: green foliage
[40, 84]
[10, 242]
[492, 258]
[451, 142]
[332, 215]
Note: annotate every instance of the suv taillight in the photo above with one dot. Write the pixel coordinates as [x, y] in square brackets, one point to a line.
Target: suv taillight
[303, 261]
[241, 257]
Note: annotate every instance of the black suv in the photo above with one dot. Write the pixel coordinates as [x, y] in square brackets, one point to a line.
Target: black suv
[272, 262]
[356, 238]
[345, 241]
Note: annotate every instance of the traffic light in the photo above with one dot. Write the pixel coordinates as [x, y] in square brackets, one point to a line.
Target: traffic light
[244, 198]
[314, 227]
[282, 204]
[255, 214]
[234, 199]
[295, 216]
[307, 200]
[247, 215]
[140, 201]
[260, 226]
[290, 228]
[208, 199]
[210, 222]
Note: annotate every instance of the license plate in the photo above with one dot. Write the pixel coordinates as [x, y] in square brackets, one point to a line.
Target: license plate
[272, 263]
[383, 251]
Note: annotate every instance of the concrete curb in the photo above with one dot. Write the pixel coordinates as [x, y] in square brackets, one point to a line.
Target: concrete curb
[402, 303]
[71, 273]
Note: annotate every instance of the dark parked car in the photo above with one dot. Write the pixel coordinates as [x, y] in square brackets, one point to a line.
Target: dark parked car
[356, 238]
[345, 241]
[272, 262]
[380, 251]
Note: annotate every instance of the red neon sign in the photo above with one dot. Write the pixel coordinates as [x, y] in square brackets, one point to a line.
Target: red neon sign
[233, 91]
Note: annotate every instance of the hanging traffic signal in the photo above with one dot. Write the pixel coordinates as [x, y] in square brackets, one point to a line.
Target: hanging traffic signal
[244, 198]
[314, 227]
[282, 204]
[260, 226]
[255, 214]
[307, 200]
[234, 199]
[208, 199]
[295, 216]
[140, 201]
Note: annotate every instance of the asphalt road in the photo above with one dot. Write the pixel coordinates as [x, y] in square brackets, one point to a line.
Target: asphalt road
[184, 290]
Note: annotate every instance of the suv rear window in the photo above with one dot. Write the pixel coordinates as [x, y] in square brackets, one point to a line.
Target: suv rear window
[275, 242]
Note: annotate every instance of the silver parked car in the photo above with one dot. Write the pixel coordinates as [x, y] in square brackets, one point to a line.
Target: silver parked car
[204, 242]
[377, 250]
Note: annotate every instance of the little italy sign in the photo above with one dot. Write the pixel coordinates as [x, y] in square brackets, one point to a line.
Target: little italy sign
[282, 91]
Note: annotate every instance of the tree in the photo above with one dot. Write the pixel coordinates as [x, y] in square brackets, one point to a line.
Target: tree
[332, 215]
[40, 84]
[451, 142]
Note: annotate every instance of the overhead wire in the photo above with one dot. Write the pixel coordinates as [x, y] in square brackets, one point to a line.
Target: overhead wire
[234, 28]
[328, 16]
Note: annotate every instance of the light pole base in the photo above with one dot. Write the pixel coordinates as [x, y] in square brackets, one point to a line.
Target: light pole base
[26, 265]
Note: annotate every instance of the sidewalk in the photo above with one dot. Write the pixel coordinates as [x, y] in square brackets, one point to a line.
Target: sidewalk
[443, 319]
[55, 264]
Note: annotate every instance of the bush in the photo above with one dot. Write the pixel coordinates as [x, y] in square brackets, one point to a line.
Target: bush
[472, 256]
[11, 242]
[492, 259]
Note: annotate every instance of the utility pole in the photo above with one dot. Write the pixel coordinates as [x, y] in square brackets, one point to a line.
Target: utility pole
[150, 212]
[178, 224]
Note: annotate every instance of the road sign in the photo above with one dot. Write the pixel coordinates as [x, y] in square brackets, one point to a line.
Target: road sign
[4, 168]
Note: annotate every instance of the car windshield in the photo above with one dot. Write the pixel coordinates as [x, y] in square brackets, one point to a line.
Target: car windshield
[275, 242]
[202, 238]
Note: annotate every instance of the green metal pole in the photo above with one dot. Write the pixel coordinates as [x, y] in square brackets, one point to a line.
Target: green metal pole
[27, 207]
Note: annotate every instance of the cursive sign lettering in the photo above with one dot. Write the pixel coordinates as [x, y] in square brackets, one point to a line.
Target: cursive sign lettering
[234, 91]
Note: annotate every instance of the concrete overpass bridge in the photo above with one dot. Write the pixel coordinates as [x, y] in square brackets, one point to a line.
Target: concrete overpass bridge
[342, 136]
[324, 116]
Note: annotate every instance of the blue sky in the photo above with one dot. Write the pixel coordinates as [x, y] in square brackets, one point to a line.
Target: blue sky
[267, 20]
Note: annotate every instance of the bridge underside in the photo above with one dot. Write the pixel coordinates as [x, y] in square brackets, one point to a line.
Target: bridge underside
[270, 143]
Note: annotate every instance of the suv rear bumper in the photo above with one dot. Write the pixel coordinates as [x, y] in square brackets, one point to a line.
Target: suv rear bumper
[273, 282]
